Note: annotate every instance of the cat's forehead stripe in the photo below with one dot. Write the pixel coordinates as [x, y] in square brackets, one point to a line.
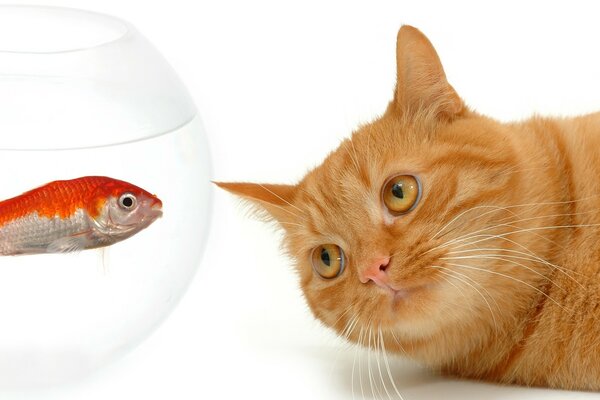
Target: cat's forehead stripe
[352, 160]
[324, 209]
[339, 207]
[316, 214]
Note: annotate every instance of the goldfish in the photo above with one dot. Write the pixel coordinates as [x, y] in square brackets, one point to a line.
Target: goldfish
[72, 215]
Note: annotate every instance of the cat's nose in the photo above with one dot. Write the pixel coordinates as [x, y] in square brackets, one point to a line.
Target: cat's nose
[376, 271]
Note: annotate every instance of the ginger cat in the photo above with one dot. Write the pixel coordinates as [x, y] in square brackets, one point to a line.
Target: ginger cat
[469, 245]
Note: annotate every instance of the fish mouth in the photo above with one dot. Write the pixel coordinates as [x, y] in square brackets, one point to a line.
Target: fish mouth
[156, 209]
[148, 216]
[154, 212]
[156, 203]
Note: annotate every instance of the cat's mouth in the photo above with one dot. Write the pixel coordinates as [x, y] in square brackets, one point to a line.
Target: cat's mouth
[403, 293]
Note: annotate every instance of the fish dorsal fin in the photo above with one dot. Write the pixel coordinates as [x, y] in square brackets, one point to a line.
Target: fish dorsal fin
[67, 244]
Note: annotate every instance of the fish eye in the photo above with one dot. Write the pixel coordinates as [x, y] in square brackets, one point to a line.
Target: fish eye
[127, 201]
[328, 260]
[401, 194]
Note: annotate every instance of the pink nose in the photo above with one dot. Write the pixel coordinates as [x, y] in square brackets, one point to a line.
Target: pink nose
[376, 272]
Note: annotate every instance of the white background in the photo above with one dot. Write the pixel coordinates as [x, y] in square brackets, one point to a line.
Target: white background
[278, 85]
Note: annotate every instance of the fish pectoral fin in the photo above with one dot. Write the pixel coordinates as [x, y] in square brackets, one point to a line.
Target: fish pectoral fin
[67, 244]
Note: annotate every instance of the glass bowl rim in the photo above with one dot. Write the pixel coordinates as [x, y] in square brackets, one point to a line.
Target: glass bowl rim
[128, 29]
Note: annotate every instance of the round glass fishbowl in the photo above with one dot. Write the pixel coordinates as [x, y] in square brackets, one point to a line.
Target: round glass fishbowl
[85, 94]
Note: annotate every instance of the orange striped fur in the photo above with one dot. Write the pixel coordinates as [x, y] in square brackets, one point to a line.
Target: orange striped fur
[500, 259]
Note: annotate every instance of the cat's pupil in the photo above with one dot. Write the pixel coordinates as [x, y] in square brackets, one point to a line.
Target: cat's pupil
[397, 190]
[325, 257]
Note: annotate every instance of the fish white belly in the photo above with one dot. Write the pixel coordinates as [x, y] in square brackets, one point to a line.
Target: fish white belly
[33, 234]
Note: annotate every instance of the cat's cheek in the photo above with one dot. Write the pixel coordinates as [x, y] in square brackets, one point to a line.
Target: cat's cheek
[330, 302]
[322, 309]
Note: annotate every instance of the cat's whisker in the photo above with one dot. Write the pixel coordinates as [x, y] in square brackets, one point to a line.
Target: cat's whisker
[510, 223]
[594, 211]
[513, 279]
[543, 216]
[356, 349]
[398, 343]
[530, 256]
[353, 325]
[360, 345]
[363, 344]
[509, 208]
[562, 202]
[490, 236]
[387, 366]
[500, 257]
[345, 333]
[376, 351]
[459, 290]
[368, 346]
[496, 208]
[377, 342]
[346, 311]
[371, 377]
[506, 239]
[349, 327]
[356, 323]
[467, 236]
[558, 268]
[486, 237]
[540, 236]
[452, 274]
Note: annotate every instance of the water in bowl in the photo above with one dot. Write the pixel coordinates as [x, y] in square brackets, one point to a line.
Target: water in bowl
[65, 314]
[86, 94]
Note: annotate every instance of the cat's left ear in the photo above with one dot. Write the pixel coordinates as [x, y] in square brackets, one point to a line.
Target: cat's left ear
[421, 84]
[276, 200]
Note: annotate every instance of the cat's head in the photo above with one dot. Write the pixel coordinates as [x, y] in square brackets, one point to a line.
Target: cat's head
[381, 232]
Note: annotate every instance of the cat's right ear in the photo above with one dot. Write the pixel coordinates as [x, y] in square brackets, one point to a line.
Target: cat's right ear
[421, 85]
[276, 200]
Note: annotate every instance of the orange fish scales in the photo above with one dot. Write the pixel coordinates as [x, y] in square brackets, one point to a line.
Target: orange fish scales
[59, 198]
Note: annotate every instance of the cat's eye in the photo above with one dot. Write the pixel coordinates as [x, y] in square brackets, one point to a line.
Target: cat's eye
[401, 194]
[328, 260]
